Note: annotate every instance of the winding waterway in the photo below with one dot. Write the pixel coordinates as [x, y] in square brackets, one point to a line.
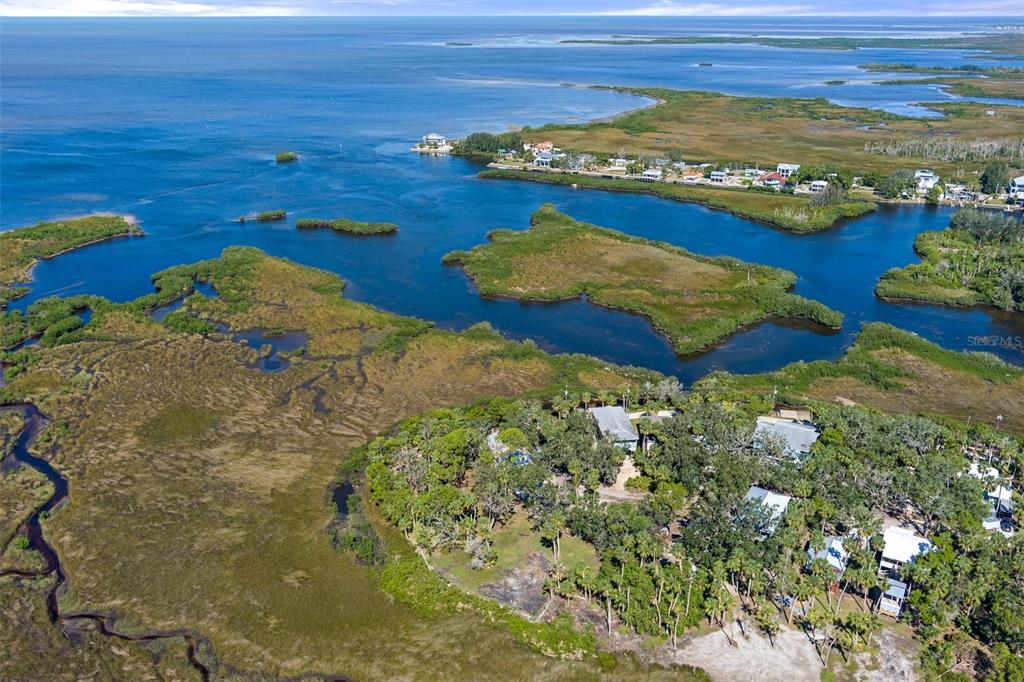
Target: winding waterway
[202, 106]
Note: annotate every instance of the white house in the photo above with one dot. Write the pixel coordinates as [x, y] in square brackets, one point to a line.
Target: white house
[772, 180]
[787, 169]
[718, 176]
[998, 497]
[434, 140]
[614, 424]
[797, 437]
[619, 162]
[901, 546]
[818, 186]
[833, 554]
[543, 159]
[1016, 187]
[775, 504]
[926, 179]
[891, 601]
[651, 175]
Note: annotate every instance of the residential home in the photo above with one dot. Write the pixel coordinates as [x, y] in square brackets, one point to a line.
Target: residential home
[651, 175]
[618, 162]
[718, 177]
[926, 179]
[787, 169]
[614, 424]
[833, 554]
[1016, 187]
[891, 601]
[692, 177]
[543, 159]
[901, 546]
[819, 186]
[797, 437]
[544, 147]
[998, 497]
[775, 504]
[434, 140]
[773, 180]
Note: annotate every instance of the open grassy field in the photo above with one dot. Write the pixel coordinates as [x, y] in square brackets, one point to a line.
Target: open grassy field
[787, 211]
[21, 248]
[898, 372]
[706, 126]
[198, 484]
[694, 300]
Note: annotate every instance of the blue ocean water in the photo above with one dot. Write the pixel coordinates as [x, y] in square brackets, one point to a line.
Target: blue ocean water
[176, 122]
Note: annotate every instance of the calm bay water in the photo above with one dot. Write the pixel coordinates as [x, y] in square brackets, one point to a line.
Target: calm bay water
[176, 122]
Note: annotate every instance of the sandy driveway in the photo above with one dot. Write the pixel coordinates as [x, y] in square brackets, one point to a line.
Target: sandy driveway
[753, 659]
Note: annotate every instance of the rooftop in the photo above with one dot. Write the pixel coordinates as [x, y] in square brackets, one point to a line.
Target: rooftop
[776, 503]
[834, 554]
[902, 545]
[614, 423]
[797, 436]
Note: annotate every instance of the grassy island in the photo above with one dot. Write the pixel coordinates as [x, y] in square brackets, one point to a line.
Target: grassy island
[786, 211]
[23, 247]
[694, 300]
[978, 259]
[286, 157]
[711, 127]
[346, 225]
[265, 216]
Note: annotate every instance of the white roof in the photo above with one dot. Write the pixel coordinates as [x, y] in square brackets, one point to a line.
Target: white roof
[653, 173]
[775, 502]
[1019, 180]
[902, 545]
[798, 436]
[819, 183]
[720, 174]
[788, 166]
[834, 554]
[433, 136]
[614, 423]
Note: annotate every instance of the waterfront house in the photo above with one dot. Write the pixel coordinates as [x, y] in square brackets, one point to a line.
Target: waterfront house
[901, 546]
[925, 179]
[1016, 187]
[434, 140]
[618, 162]
[718, 177]
[544, 147]
[796, 437]
[543, 159]
[772, 180]
[833, 554]
[651, 175]
[692, 177]
[892, 599]
[818, 186]
[774, 505]
[787, 169]
[613, 423]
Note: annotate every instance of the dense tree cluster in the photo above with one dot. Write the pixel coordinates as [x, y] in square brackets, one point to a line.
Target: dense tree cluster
[693, 549]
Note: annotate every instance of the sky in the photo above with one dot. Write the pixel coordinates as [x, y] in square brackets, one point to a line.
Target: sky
[700, 8]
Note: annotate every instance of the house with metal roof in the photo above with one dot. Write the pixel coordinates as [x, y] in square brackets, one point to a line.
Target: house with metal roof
[775, 504]
[901, 546]
[891, 601]
[614, 424]
[797, 437]
[834, 554]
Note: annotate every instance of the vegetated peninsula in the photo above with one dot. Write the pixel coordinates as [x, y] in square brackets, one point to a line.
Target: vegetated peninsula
[780, 210]
[346, 225]
[1005, 43]
[694, 300]
[968, 80]
[978, 259]
[723, 129]
[21, 248]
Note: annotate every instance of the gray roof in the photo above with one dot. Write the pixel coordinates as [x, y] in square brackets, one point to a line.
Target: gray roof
[897, 589]
[797, 436]
[614, 424]
[834, 553]
[775, 503]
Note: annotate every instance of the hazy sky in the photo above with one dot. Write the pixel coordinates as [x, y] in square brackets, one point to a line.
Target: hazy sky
[702, 8]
